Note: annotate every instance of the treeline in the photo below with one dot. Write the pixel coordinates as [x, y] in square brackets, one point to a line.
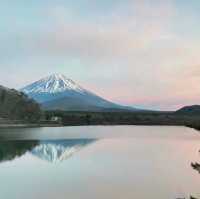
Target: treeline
[123, 118]
[16, 105]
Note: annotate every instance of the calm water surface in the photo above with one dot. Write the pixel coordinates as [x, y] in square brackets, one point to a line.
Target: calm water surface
[132, 162]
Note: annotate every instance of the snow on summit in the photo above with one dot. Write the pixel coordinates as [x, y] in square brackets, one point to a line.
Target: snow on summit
[52, 84]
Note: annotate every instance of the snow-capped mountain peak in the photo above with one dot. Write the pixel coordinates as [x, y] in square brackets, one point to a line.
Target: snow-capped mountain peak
[57, 92]
[52, 84]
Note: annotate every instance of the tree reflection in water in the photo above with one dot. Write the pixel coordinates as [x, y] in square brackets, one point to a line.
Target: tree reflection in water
[10, 150]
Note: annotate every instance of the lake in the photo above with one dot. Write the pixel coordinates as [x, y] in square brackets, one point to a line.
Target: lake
[95, 162]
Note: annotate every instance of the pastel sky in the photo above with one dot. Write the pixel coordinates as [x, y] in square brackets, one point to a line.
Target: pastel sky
[143, 53]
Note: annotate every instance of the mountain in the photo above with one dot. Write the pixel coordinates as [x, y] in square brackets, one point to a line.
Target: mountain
[18, 106]
[57, 92]
[189, 110]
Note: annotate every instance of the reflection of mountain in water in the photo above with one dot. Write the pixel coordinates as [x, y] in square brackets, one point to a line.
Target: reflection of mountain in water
[51, 151]
[57, 151]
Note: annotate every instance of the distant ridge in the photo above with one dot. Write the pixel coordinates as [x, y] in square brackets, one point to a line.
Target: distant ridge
[189, 110]
[57, 92]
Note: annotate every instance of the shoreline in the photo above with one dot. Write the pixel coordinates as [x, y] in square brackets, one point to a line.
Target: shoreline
[12, 126]
[196, 127]
[61, 119]
[18, 126]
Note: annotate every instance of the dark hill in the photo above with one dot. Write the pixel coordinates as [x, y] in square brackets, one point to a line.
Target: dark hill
[189, 110]
[16, 105]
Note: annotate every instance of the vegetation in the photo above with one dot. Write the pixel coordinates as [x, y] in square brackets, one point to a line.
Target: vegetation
[190, 110]
[17, 106]
[123, 118]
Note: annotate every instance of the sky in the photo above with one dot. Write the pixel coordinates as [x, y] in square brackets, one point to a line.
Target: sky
[143, 53]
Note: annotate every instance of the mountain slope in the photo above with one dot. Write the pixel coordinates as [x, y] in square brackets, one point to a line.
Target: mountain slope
[16, 105]
[57, 92]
